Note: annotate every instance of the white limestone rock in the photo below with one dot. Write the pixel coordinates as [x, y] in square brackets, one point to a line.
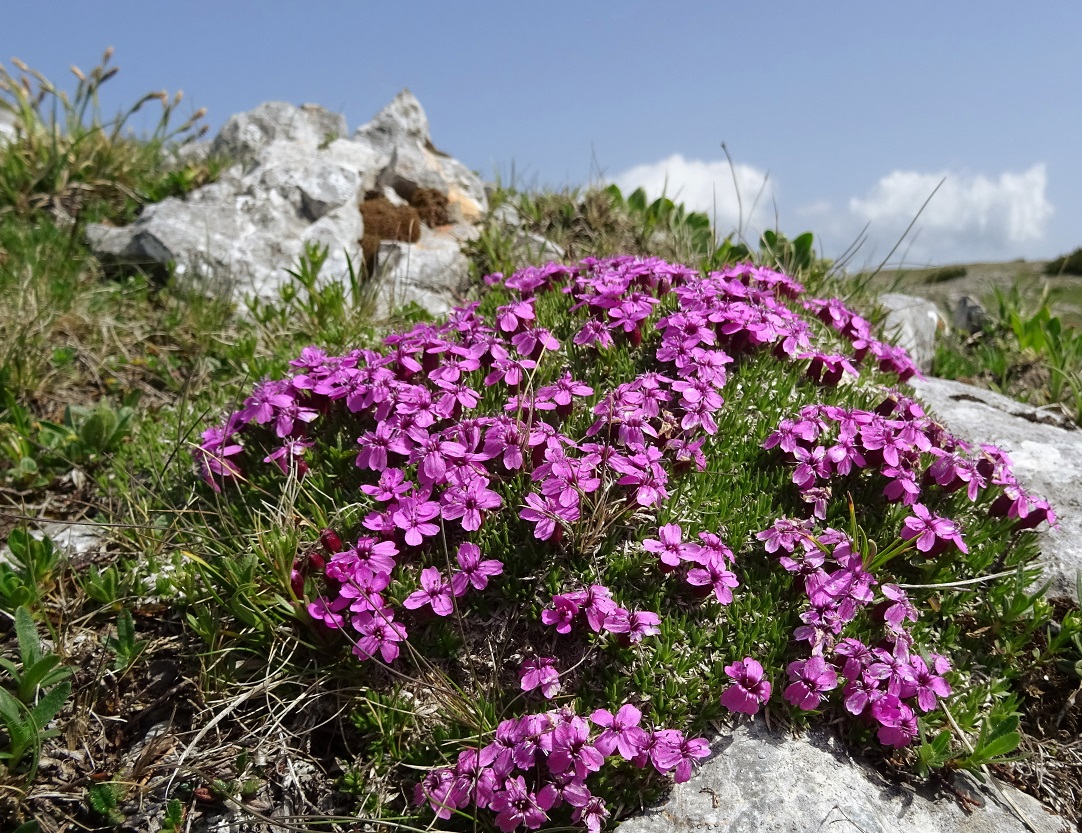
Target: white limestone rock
[913, 323]
[1045, 446]
[298, 179]
[759, 782]
[433, 272]
[401, 129]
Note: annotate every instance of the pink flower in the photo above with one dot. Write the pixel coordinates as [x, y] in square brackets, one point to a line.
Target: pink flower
[571, 749]
[674, 752]
[562, 614]
[516, 806]
[749, 689]
[593, 813]
[811, 678]
[378, 633]
[596, 602]
[540, 673]
[413, 516]
[622, 731]
[474, 570]
[715, 574]
[933, 532]
[671, 549]
[434, 591]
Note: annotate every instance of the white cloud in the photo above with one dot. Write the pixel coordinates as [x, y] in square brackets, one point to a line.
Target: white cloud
[971, 217]
[707, 187]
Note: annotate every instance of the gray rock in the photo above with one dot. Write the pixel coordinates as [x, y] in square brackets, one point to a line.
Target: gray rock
[536, 247]
[968, 315]
[1046, 448]
[245, 134]
[299, 180]
[401, 130]
[760, 782]
[913, 323]
[433, 272]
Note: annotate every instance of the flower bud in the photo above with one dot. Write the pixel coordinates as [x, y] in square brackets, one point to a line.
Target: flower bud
[330, 541]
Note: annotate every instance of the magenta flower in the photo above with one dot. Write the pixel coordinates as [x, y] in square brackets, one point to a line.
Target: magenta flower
[714, 574]
[434, 591]
[392, 485]
[374, 447]
[671, 549]
[596, 602]
[810, 679]
[929, 682]
[268, 397]
[593, 814]
[749, 689]
[540, 673]
[571, 749]
[290, 454]
[518, 807]
[436, 788]
[212, 457]
[562, 614]
[898, 724]
[546, 513]
[474, 570]
[622, 731]
[635, 625]
[900, 608]
[469, 502]
[675, 752]
[413, 516]
[933, 532]
[378, 633]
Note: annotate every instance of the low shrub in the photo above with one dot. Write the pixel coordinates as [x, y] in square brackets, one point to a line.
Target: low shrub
[1066, 265]
[947, 273]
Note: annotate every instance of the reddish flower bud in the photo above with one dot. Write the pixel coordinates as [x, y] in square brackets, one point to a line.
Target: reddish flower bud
[330, 541]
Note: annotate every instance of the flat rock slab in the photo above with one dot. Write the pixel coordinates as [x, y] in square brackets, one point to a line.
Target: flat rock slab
[760, 782]
[1046, 448]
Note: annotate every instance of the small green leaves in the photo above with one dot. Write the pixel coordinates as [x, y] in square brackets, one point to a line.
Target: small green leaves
[125, 647]
[999, 737]
[41, 688]
[104, 799]
[37, 669]
[935, 754]
[174, 816]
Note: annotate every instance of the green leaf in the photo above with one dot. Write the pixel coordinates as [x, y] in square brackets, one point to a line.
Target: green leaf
[36, 674]
[27, 633]
[49, 705]
[11, 710]
[998, 747]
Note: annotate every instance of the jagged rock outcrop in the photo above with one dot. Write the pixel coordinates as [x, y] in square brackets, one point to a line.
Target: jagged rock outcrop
[298, 179]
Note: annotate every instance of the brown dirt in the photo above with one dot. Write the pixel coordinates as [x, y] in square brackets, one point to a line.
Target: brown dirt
[385, 221]
[432, 207]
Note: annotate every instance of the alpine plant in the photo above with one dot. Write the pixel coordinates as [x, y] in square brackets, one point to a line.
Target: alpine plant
[470, 432]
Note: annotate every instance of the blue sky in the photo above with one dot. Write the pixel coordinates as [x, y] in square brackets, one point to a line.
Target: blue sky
[850, 113]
